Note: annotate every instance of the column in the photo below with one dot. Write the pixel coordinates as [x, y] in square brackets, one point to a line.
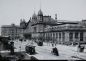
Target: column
[66, 36]
[73, 37]
[84, 36]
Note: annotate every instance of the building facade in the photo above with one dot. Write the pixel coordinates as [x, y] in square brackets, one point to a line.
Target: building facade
[67, 33]
[60, 31]
[37, 24]
[12, 31]
[45, 28]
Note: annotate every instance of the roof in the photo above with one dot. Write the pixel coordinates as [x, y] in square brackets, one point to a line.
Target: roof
[28, 23]
[9, 26]
[34, 16]
[40, 12]
[67, 21]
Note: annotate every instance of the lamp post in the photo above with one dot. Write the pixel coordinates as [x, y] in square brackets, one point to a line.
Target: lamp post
[0, 48]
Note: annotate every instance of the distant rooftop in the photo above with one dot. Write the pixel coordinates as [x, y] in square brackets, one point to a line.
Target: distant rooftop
[67, 21]
[9, 26]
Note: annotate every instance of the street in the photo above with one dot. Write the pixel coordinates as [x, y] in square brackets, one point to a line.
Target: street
[44, 52]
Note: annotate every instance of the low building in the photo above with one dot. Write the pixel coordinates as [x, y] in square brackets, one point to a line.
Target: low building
[13, 31]
[67, 33]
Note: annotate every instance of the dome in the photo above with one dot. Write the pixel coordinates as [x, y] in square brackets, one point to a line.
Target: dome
[34, 16]
[40, 13]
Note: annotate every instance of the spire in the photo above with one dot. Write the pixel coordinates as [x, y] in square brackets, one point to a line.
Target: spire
[34, 15]
[34, 10]
[55, 16]
[40, 13]
[40, 4]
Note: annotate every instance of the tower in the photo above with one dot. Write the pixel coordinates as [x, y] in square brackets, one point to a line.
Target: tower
[34, 18]
[22, 23]
[40, 15]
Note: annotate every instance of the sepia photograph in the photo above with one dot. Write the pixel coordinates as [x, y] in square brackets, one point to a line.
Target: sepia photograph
[42, 30]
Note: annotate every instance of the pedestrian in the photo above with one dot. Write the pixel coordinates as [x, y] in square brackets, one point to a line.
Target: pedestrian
[82, 48]
[55, 51]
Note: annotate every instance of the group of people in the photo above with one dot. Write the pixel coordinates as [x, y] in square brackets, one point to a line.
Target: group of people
[55, 51]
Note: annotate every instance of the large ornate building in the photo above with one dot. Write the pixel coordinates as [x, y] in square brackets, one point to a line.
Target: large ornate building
[60, 31]
[37, 24]
[48, 29]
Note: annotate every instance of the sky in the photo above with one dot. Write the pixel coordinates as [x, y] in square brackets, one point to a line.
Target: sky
[11, 11]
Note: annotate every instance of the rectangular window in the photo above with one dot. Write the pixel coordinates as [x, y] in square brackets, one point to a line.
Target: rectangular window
[76, 35]
[59, 35]
[56, 35]
[63, 36]
[50, 34]
[70, 36]
[81, 36]
[53, 34]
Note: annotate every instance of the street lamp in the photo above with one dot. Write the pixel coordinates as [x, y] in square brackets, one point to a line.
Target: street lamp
[0, 48]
